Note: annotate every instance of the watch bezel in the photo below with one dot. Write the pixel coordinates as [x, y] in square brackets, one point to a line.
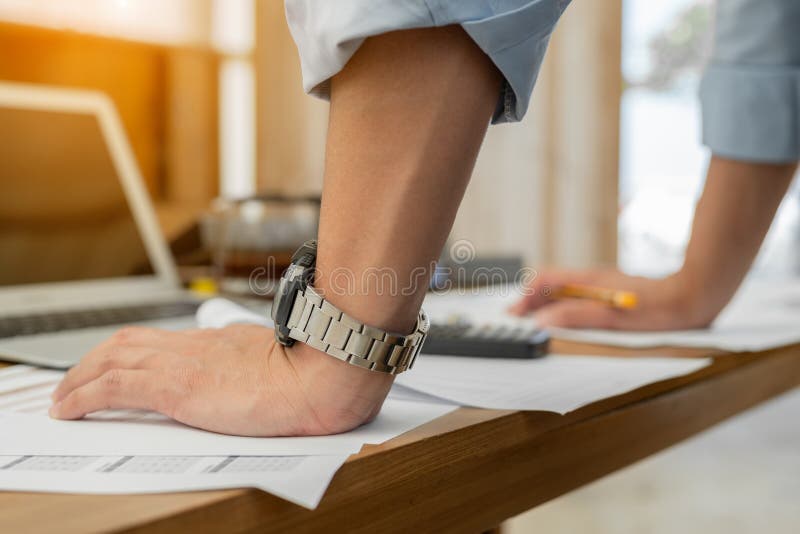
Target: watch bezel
[296, 278]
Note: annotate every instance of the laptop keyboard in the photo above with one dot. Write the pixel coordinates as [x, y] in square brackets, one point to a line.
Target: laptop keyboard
[25, 325]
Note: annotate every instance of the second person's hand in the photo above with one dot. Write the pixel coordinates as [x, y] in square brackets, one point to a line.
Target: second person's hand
[663, 304]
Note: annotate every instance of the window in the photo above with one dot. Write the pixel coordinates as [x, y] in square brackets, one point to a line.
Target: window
[662, 163]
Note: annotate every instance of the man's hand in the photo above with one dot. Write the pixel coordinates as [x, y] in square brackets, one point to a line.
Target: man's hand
[234, 380]
[665, 304]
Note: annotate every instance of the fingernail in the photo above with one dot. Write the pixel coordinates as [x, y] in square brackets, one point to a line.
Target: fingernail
[54, 410]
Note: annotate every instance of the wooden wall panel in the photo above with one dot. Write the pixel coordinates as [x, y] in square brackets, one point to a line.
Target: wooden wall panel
[585, 87]
[291, 126]
[192, 123]
[546, 189]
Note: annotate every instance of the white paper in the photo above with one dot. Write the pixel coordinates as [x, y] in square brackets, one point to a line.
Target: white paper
[28, 430]
[554, 383]
[760, 317]
[298, 479]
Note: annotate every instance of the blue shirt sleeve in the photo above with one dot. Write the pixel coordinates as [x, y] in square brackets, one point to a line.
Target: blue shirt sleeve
[750, 92]
[513, 33]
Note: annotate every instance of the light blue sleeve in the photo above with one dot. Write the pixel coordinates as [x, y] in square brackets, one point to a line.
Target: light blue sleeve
[513, 33]
[750, 92]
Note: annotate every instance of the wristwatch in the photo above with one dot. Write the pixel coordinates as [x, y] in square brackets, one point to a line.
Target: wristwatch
[302, 314]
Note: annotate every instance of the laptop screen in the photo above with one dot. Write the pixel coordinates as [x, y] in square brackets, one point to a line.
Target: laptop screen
[63, 213]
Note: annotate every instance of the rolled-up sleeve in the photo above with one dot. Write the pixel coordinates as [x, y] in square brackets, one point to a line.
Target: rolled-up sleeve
[513, 33]
[750, 92]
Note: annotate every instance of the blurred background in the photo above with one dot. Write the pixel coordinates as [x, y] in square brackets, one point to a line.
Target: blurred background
[605, 170]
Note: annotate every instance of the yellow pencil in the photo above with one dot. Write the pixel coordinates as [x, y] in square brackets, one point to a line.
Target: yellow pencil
[618, 299]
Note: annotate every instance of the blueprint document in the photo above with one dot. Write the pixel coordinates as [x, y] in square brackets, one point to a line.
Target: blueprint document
[132, 451]
[298, 479]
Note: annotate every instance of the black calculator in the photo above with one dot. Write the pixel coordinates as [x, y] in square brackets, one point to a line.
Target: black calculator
[463, 338]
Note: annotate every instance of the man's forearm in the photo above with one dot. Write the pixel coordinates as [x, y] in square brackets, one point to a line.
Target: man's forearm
[732, 217]
[408, 115]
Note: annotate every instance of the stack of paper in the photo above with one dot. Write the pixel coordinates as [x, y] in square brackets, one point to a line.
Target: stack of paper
[298, 479]
[131, 451]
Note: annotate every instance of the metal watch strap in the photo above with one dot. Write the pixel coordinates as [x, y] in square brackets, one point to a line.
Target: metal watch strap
[318, 323]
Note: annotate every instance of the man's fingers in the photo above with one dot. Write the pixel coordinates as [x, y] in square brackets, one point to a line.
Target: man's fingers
[104, 359]
[124, 389]
[578, 314]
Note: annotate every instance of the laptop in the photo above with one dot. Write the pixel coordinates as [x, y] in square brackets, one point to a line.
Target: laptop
[81, 251]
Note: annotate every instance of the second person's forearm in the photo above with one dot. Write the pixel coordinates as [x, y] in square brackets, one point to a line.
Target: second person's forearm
[732, 217]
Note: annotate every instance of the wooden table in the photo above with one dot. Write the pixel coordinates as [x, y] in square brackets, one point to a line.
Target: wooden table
[465, 472]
